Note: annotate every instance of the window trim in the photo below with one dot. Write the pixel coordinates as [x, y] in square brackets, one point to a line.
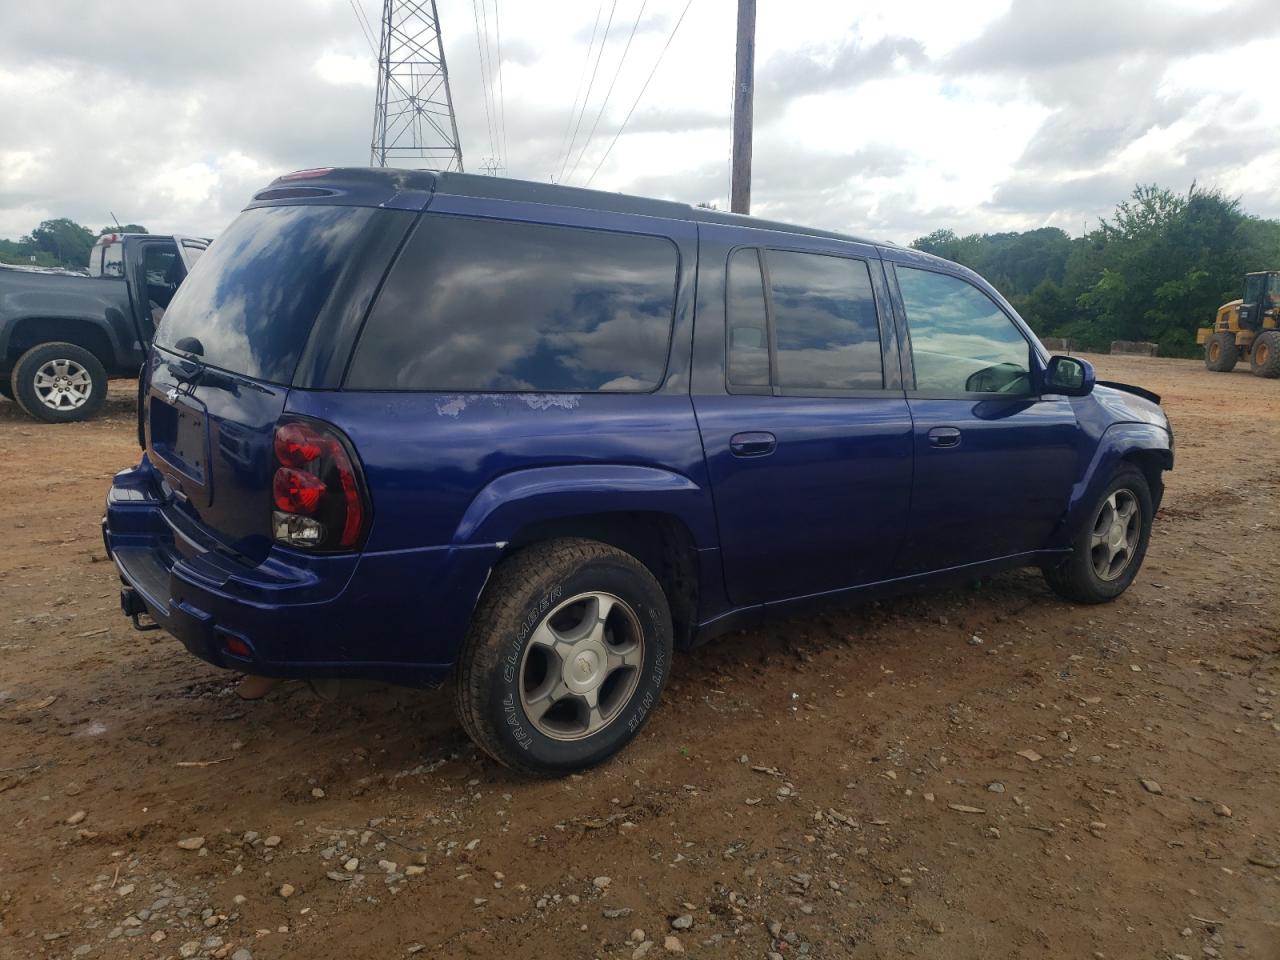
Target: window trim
[1034, 360]
[756, 389]
[773, 388]
[427, 216]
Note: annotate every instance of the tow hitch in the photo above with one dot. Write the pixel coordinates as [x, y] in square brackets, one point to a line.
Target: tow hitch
[135, 610]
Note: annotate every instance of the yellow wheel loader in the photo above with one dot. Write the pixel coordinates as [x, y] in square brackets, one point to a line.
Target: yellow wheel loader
[1247, 329]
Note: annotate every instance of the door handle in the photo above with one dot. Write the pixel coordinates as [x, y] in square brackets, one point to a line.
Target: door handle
[756, 444]
[944, 437]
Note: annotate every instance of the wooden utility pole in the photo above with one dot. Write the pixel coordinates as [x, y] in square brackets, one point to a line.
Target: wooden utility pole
[743, 100]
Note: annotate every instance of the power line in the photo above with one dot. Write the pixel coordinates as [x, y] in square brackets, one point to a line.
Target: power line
[627, 119]
[483, 79]
[591, 83]
[608, 93]
[502, 90]
[564, 140]
[364, 15]
[364, 28]
[488, 49]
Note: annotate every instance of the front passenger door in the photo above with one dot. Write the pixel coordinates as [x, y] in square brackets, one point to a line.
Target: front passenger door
[994, 460]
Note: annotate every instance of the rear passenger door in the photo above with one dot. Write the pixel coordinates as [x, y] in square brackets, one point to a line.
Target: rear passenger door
[995, 458]
[802, 413]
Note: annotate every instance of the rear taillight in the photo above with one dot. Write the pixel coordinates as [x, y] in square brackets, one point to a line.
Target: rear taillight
[317, 491]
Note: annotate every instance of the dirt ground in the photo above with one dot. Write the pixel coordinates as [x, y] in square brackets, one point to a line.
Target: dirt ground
[956, 775]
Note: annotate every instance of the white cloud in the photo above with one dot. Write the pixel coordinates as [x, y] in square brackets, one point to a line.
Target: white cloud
[887, 121]
[346, 68]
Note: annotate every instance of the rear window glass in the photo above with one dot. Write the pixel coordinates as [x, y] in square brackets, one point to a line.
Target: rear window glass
[113, 260]
[824, 322]
[250, 304]
[495, 305]
[747, 321]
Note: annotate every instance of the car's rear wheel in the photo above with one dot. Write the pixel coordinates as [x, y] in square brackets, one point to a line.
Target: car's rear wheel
[1108, 552]
[59, 382]
[1220, 353]
[566, 656]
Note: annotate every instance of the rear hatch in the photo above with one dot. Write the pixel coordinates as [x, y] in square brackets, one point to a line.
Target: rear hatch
[227, 350]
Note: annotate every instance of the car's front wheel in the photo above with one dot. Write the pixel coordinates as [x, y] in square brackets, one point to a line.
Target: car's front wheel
[59, 382]
[1107, 553]
[566, 657]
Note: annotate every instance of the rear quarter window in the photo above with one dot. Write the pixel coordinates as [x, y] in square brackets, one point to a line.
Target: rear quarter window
[489, 305]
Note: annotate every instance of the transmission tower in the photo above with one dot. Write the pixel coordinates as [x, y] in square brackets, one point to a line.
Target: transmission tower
[413, 118]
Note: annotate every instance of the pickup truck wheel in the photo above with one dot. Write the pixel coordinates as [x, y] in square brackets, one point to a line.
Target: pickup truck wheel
[567, 654]
[1108, 552]
[59, 382]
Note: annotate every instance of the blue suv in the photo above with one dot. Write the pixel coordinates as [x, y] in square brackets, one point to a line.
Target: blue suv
[529, 439]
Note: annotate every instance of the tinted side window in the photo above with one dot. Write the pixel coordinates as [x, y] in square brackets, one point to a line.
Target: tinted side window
[163, 271]
[747, 323]
[961, 342]
[496, 305]
[825, 327]
[160, 261]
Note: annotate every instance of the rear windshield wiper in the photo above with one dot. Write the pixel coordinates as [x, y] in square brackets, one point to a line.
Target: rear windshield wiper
[192, 371]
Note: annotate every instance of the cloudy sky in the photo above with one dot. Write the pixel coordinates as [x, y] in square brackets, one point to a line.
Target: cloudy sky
[889, 120]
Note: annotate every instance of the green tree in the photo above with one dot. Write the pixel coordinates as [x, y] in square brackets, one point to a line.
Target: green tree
[1157, 269]
[940, 243]
[126, 228]
[65, 239]
[1047, 308]
[1164, 263]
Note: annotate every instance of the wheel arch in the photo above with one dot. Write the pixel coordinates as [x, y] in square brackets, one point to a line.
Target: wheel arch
[1153, 463]
[661, 541]
[31, 332]
[660, 517]
[1145, 445]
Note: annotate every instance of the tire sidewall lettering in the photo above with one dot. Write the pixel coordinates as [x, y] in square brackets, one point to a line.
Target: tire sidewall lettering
[516, 726]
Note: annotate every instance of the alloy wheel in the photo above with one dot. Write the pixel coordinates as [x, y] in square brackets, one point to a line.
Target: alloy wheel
[63, 385]
[581, 666]
[1116, 531]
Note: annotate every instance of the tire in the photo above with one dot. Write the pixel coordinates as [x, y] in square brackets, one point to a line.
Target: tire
[1078, 578]
[507, 668]
[1264, 355]
[79, 383]
[6, 388]
[1220, 353]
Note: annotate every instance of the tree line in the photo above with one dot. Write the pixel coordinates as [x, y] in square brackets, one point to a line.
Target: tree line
[1156, 270]
[58, 243]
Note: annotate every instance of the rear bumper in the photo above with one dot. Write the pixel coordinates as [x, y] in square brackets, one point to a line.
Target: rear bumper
[398, 616]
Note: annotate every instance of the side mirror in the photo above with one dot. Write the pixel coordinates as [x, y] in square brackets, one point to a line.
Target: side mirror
[1069, 376]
